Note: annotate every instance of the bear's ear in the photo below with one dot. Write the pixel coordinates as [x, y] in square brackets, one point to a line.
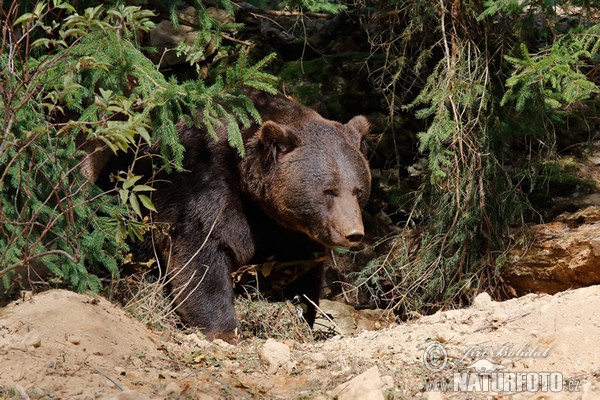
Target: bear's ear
[357, 128]
[277, 139]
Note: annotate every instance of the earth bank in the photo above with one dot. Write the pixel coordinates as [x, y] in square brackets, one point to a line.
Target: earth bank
[63, 345]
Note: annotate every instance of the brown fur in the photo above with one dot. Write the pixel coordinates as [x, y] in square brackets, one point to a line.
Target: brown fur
[298, 190]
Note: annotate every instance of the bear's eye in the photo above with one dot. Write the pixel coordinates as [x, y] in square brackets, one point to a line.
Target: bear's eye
[329, 192]
[358, 192]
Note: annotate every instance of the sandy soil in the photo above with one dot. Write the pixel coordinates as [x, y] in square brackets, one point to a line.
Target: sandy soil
[62, 345]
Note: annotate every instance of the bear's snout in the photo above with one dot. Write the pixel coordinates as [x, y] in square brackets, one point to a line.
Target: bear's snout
[355, 236]
[346, 222]
[349, 235]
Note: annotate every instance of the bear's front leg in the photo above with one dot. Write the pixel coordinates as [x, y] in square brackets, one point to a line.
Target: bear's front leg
[202, 290]
[307, 289]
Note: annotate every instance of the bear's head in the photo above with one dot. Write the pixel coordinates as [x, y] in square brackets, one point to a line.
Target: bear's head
[311, 177]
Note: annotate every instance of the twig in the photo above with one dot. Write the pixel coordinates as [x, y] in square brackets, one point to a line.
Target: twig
[176, 297]
[25, 261]
[326, 316]
[110, 378]
[22, 392]
[234, 40]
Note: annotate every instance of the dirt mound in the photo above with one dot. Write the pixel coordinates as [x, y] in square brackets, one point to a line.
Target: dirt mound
[59, 341]
[59, 344]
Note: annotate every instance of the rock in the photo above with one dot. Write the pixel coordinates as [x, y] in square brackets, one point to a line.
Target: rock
[134, 376]
[565, 254]
[348, 321]
[223, 344]
[165, 38]
[173, 388]
[32, 339]
[221, 15]
[366, 386]
[76, 340]
[187, 16]
[193, 339]
[341, 314]
[275, 354]
[482, 301]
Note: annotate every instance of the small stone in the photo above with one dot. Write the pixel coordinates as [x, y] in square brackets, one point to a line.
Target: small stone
[173, 388]
[134, 376]
[222, 343]
[275, 354]
[137, 362]
[500, 317]
[193, 339]
[366, 386]
[595, 158]
[482, 301]
[342, 318]
[32, 339]
[76, 340]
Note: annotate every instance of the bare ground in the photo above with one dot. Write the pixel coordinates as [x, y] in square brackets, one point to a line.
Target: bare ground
[62, 345]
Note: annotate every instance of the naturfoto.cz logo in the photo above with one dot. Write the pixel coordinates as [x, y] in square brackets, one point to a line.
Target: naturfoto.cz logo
[485, 375]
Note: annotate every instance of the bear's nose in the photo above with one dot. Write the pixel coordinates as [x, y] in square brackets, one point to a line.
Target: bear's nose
[355, 236]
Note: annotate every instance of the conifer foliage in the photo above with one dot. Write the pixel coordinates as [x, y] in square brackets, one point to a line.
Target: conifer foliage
[72, 78]
[489, 89]
[497, 84]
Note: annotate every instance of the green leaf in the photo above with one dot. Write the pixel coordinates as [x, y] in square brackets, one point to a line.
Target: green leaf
[124, 194]
[130, 181]
[23, 19]
[41, 42]
[142, 188]
[146, 202]
[133, 200]
[39, 8]
[63, 6]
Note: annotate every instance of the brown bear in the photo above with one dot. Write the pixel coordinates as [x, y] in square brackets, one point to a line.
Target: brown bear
[298, 191]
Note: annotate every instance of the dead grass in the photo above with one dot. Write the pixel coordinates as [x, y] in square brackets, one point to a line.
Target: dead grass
[148, 301]
[262, 319]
